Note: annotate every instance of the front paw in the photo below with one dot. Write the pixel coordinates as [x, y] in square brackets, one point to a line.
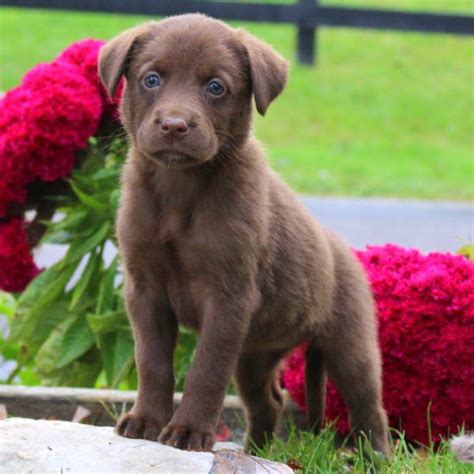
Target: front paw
[185, 437]
[132, 425]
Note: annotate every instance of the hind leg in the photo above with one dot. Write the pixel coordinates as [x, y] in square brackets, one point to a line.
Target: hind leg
[315, 388]
[257, 378]
[354, 367]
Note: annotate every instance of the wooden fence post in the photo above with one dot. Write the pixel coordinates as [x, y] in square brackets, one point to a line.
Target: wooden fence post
[307, 35]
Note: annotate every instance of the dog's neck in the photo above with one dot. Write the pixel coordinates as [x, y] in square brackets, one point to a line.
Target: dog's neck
[168, 182]
[173, 196]
[186, 184]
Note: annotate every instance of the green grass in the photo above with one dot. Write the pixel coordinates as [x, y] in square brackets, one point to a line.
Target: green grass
[383, 114]
[308, 453]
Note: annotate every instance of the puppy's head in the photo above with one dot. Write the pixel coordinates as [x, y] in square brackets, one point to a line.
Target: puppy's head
[189, 86]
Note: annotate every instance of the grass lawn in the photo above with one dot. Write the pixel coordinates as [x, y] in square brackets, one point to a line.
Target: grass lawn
[307, 453]
[383, 114]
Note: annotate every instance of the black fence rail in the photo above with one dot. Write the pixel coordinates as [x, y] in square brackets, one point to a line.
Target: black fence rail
[307, 15]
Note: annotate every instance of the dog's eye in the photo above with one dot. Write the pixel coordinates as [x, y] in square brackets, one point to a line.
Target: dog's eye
[151, 80]
[215, 87]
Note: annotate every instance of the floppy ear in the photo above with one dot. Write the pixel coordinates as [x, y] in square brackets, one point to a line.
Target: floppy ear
[114, 56]
[268, 71]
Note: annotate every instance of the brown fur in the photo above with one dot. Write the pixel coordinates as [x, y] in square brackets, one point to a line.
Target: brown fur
[213, 239]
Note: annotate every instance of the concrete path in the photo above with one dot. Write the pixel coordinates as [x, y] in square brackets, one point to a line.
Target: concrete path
[426, 225]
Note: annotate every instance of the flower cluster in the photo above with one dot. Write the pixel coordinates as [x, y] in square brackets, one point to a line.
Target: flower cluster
[17, 265]
[84, 54]
[426, 331]
[43, 123]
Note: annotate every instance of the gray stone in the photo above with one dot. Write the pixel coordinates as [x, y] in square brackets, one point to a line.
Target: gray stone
[463, 448]
[47, 446]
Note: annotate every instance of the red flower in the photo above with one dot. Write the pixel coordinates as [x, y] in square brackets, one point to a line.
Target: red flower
[43, 123]
[65, 108]
[84, 54]
[17, 267]
[12, 174]
[12, 106]
[426, 331]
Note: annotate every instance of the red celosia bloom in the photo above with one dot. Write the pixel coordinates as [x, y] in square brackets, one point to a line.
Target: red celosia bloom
[43, 123]
[10, 193]
[12, 174]
[12, 106]
[84, 54]
[16, 263]
[426, 330]
[65, 108]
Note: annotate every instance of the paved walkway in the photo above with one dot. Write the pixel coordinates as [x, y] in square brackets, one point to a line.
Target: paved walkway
[426, 225]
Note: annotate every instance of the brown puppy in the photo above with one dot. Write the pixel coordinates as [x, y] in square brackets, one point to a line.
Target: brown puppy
[213, 239]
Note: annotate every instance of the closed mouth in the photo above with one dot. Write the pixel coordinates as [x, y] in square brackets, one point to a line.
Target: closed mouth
[174, 159]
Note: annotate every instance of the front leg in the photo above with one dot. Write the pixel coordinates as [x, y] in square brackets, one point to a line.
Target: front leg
[222, 333]
[155, 330]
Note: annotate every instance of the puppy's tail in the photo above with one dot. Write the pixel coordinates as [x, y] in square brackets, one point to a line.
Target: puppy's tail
[315, 388]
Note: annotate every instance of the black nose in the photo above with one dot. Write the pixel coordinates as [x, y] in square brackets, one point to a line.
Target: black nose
[174, 126]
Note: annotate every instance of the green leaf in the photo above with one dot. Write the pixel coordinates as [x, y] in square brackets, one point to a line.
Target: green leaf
[87, 199]
[41, 292]
[92, 266]
[68, 341]
[107, 322]
[60, 237]
[47, 356]
[114, 200]
[8, 351]
[105, 301]
[53, 290]
[118, 358]
[467, 251]
[73, 222]
[183, 355]
[64, 232]
[84, 181]
[28, 376]
[77, 340]
[80, 373]
[7, 304]
[49, 317]
[123, 370]
[36, 288]
[107, 174]
[81, 247]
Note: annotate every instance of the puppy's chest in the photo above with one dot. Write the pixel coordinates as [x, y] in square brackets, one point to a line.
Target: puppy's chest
[179, 250]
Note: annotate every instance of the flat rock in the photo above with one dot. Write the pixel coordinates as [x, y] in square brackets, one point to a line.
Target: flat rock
[47, 446]
[463, 448]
